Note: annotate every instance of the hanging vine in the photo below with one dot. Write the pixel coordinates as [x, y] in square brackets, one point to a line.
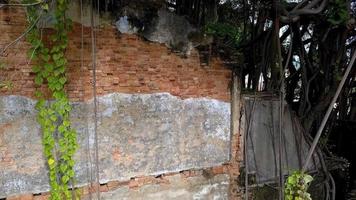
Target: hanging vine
[58, 139]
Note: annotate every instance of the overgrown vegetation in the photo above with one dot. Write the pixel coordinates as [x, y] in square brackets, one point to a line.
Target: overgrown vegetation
[297, 185]
[304, 44]
[58, 139]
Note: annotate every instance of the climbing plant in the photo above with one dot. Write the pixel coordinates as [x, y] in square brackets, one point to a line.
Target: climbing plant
[58, 138]
[5, 84]
[297, 185]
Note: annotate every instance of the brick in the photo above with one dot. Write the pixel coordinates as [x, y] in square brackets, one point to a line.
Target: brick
[133, 184]
[104, 188]
[218, 170]
[26, 197]
[120, 68]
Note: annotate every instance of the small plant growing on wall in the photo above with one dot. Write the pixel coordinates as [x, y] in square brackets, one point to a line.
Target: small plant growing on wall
[297, 185]
[58, 138]
[4, 83]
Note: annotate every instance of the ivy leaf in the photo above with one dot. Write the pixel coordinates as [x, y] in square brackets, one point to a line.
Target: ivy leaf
[71, 172]
[66, 123]
[53, 118]
[68, 108]
[61, 69]
[38, 94]
[45, 6]
[44, 50]
[60, 62]
[65, 157]
[56, 57]
[49, 67]
[38, 80]
[52, 127]
[65, 179]
[307, 179]
[63, 168]
[58, 86]
[40, 104]
[61, 128]
[62, 80]
[45, 74]
[51, 162]
[36, 68]
[51, 86]
[47, 152]
[55, 49]
[45, 57]
[58, 94]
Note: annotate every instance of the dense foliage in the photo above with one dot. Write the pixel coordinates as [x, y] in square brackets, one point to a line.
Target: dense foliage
[59, 139]
[297, 185]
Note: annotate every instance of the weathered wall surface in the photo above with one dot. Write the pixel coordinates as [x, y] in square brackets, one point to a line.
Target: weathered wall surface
[138, 135]
[197, 188]
[158, 113]
[125, 63]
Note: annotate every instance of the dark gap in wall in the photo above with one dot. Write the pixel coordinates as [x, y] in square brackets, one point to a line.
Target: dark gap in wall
[158, 176]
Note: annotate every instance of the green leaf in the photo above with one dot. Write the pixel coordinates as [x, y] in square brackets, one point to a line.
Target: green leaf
[68, 108]
[53, 118]
[45, 57]
[60, 62]
[57, 56]
[66, 123]
[51, 86]
[63, 168]
[44, 50]
[45, 74]
[58, 86]
[62, 80]
[61, 128]
[55, 49]
[36, 68]
[71, 172]
[51, 162]
[38, 94]
[65, 179]
[307, 179]
[58, 94]
[49, 67]
[45, 7]
[38, 80]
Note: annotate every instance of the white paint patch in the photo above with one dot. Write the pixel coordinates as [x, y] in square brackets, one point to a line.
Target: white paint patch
[207, 189]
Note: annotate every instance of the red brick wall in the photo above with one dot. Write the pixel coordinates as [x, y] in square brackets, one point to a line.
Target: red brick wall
[125, 63]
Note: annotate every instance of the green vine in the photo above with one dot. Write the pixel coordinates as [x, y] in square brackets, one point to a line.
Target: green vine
[297, 185]
[58, 139]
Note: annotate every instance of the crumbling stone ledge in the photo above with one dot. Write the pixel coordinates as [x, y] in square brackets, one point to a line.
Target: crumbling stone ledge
[192, 184]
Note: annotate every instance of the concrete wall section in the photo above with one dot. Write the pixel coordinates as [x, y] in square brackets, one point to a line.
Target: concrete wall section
[139, 134]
